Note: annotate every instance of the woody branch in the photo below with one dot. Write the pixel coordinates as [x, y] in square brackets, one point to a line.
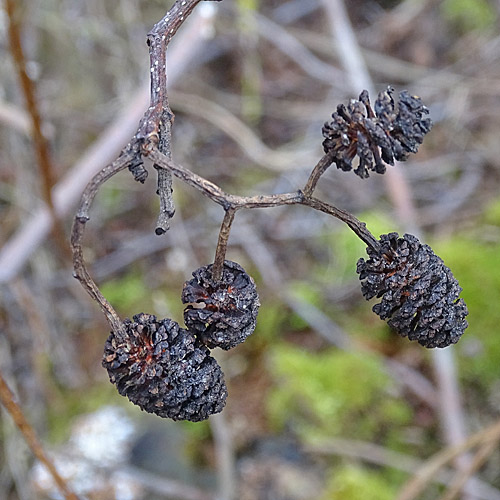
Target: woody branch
[153, 140]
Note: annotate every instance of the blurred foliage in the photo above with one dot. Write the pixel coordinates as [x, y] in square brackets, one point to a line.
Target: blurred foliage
[475, 260]
[351, 482]
[127, 293]
[324, 393]
[469, 15]
[271, 322]
[251, 102]
[346, 248]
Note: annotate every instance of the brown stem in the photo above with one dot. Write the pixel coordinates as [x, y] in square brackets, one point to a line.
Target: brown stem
[31, 438]
[154, 131]
[216, 194]
[163, 116]
[82, 275]
[220, 252]
[126, 159]
[317, 172]
[153, 139]
[167, 208]
[28, 87]
[156, 126]
[158, 39]
[355, 224]
[42, 150]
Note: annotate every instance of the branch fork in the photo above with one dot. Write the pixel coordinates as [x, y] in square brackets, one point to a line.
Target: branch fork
[153, 141]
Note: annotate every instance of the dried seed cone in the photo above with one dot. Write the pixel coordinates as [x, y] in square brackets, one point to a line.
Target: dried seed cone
[420, 296]
[224, 313]
[163, 369]
[379, 137]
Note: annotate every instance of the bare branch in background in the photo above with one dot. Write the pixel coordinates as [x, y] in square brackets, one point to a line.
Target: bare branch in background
[167, 488]
[42, 148]
[379, 455]
[429, 469]
[29, 434]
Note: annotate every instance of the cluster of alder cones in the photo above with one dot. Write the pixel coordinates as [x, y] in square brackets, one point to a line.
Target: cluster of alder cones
[168, 370]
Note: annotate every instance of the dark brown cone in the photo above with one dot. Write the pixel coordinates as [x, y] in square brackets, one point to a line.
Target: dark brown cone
[379, 137]
[224, 313]
[164, 370]
[420, 295]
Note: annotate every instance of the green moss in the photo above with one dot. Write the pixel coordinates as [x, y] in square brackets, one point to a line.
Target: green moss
[351, 482]
[332, 393]
[270, 324]
[492, 213]
[347, 248]
[469, 15]
[127, 294]
[476, 265]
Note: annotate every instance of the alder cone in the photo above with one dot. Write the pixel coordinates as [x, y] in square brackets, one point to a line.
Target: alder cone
[223, 313]
[377, 137]
[164, 370]
[420, 295]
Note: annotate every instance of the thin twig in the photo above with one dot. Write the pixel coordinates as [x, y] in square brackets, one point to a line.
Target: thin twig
[42, 150]
[317, 172]
[420, 480]
[215, 193]
[165, 487]
[463, 476]
[167, 208]
[220, 252]
[29, 434]
[28, 87]
[126, 159]
[358, 227]
[82, 275]
[159, 37]
[376, 454]
[157, 42]
[123, 161]
[224, 199]
[153, 133]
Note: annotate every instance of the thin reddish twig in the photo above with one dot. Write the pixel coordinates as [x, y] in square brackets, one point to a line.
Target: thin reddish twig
[31, 438]
[42, 149]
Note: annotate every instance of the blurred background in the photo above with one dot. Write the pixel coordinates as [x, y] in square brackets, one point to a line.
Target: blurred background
[325, 402]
